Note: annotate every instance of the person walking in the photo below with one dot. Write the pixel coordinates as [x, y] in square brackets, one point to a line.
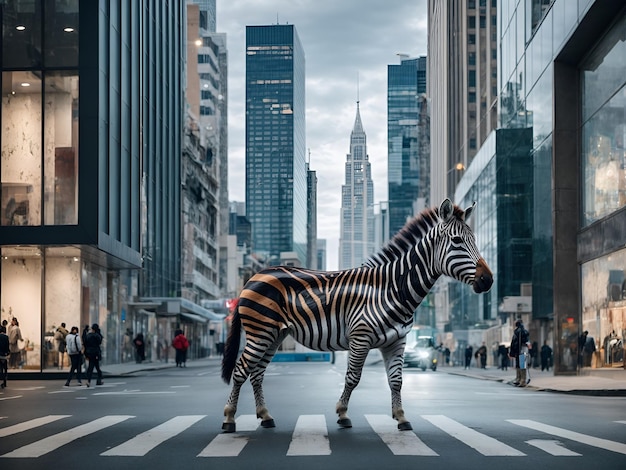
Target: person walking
[15, 336]
[140, 348]
[181, 345]
[481, 355]
[93, 340]
[519, 351]
[468, 356]
[4, 356]
[546, 356]
[74, 346]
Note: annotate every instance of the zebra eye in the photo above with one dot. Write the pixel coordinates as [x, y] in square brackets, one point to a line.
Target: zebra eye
[457, 240]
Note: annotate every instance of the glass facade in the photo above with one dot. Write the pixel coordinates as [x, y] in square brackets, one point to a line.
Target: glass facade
[71, 228]
[561, 73]
[276, 172]
[500, 181]
[407, 171]
[603, 284]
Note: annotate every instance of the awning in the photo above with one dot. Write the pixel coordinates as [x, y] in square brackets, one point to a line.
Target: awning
[170, 306]
[194, 317]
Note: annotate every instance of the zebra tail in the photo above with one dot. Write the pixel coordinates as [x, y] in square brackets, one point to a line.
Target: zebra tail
[231, 351]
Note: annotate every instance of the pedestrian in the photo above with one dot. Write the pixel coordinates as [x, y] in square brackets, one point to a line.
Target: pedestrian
[15, 336]
[446, 355]
[127, 348]
[59, 339]
[468, 356]
[519, 351]
[4, 356]
[75, 352]
[546, 356]
[481, 355]
[503, 353]
[83, 336]
[181, 345]
[140, 348]
[93, 352]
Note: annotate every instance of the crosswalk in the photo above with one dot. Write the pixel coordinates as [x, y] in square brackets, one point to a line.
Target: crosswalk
[309, 437]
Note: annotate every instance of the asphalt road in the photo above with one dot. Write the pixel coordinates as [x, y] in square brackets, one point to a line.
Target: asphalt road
[171, 418]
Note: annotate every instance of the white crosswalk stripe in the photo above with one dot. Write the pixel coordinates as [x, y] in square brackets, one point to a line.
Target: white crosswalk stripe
[143, 443]
[31, 424]
[482, 443]
[310, 437]
[230, 445]
[400, 443]
[572, 435]
[39, 448]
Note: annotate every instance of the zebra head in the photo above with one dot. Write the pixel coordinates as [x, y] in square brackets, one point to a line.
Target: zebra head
[460, 257]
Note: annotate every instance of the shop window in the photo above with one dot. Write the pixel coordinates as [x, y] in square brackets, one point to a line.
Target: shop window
[20, 170]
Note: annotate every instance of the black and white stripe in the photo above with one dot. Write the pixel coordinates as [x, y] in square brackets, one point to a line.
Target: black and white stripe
[356, 310]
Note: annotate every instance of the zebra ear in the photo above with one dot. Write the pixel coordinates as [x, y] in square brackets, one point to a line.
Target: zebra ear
[446, 210]
[469, 211]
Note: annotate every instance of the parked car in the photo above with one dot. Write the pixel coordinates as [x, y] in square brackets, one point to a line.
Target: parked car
[420, 351]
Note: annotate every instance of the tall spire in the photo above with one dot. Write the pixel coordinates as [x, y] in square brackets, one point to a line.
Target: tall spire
[358, 125]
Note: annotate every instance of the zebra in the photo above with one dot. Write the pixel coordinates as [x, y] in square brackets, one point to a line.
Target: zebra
[357, 309]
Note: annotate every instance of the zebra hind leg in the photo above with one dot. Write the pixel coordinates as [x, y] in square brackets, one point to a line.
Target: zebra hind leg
[256, 379]
[228, 425]
[393, 365]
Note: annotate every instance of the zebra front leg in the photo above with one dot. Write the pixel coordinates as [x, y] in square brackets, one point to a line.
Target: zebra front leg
[394, 360]
[356, 359]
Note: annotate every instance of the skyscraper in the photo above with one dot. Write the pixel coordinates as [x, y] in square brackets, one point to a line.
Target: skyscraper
[408, 170]
[276, 171]
[462, 86]
[356, 243]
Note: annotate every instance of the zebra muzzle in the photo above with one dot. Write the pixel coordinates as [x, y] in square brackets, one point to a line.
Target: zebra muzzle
[483, 279]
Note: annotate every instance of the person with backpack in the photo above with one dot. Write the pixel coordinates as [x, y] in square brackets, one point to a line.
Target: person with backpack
[181, 345]
[59, 338]
[520, 346]
[93, 340]
[74, 347]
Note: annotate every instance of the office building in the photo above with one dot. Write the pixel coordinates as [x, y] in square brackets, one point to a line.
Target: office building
[91, 169]
[276, 172]
[462, 86]
[408, 165]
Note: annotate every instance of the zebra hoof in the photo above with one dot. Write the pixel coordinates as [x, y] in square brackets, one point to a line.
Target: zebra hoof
[228, 427]
[406, 426]
[268, 423]
[344, 422]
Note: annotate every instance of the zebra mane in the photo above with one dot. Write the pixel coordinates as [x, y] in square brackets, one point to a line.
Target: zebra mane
[407, 237]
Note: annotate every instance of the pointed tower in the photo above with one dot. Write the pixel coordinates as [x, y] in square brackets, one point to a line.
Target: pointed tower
[356, 243]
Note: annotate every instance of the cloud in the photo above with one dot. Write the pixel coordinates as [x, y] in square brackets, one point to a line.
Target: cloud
[345, 42]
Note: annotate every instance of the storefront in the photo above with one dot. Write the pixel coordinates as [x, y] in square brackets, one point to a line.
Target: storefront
[603, 267]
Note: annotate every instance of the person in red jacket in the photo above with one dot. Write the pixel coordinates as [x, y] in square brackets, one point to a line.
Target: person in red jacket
[181, 345]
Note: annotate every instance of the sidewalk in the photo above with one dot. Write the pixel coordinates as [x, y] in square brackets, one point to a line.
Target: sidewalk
[129, 368]
[595, 382]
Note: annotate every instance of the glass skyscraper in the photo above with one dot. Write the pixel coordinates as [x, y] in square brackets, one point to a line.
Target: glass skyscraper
[408, 186]
[276, 171]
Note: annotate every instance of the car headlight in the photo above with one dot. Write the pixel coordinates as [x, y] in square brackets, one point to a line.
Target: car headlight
[423, 354]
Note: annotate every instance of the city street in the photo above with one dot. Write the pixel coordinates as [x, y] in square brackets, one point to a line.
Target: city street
[171, 418]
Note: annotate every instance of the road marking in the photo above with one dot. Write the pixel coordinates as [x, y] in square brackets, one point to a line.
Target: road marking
[231, 444]
[135, 392]
[11, 398]
[399, 442]
[143, 443]
[482, 443]
[572, 435]
[48, 444]
[28, 389]
[621, 422]
[553, 448]
[310, 436]
[33, 423]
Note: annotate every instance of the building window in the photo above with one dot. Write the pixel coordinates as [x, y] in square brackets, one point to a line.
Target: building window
[604, 126]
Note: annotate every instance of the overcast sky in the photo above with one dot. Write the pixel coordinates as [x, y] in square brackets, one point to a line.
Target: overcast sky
[345, 42]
